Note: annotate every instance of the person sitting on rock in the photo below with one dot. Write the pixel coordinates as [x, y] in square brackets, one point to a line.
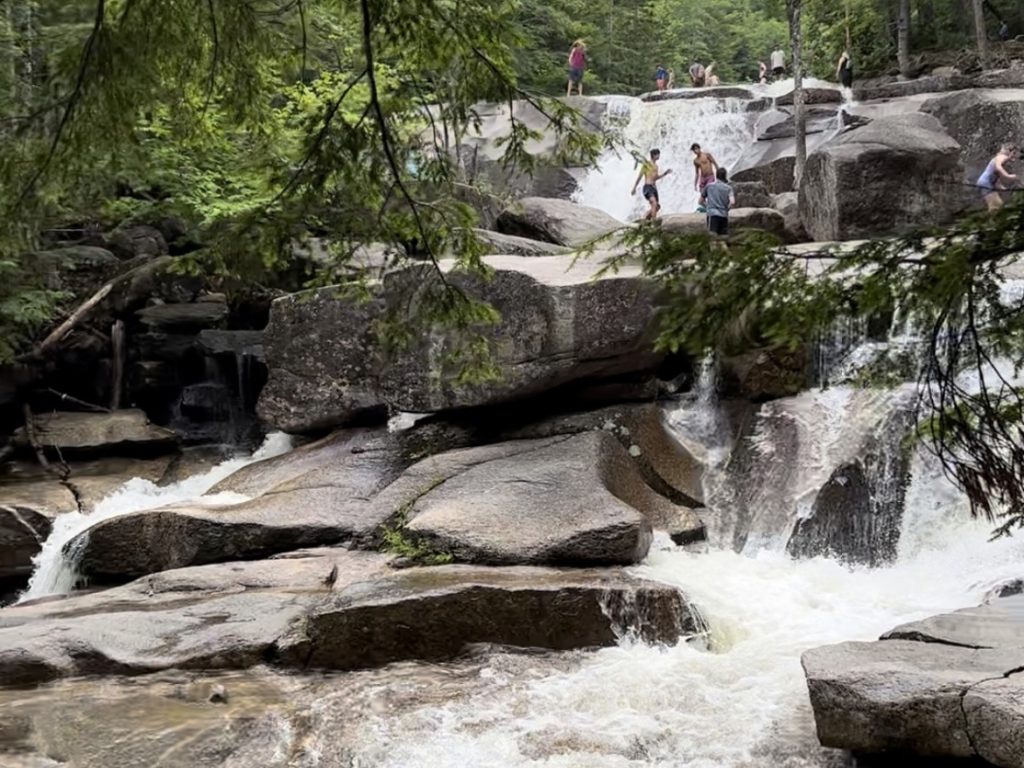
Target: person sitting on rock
[717, 199]
[762, 73]
[650, 174]
[697, 74]
[995, 177]
[661, 78]
[704, 168]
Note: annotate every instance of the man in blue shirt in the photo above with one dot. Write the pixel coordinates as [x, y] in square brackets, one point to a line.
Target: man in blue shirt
[661, 78]
[718, 199]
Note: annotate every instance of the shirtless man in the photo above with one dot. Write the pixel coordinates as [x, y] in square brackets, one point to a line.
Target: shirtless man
[704, 168]
[650, 175]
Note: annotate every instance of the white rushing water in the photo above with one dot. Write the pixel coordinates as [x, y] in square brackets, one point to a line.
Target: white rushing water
[722, 126]
[743, 704]
[54, 568]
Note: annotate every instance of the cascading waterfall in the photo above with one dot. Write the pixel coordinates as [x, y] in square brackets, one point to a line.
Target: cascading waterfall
[741, 704]
[721, 126]
[55, 567]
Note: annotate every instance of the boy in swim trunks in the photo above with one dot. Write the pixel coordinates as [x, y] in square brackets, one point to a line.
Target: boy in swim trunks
[650, 175]
[995, 177]
[704, 168]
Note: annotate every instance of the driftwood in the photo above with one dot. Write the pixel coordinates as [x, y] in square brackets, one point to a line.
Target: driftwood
[82, 312]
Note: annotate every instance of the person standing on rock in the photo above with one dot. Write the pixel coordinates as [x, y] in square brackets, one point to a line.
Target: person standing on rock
[762, 73]
[697, 74]
[995, 177]
[650, 174]
[778, 63]
[704, 168]
[661, 78]
[577, 63]
[717, 199]
[844, 70]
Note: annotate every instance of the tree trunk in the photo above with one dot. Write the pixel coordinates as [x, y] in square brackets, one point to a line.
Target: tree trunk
[793, 8]
[979, 31]
[903, 38]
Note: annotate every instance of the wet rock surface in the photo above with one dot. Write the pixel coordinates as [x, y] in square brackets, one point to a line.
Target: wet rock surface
[98, 433]
[327, 608]
[584, 489]
[949, 686]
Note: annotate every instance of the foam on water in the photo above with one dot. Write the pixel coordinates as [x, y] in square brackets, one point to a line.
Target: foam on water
[743, 704]
[54, 568]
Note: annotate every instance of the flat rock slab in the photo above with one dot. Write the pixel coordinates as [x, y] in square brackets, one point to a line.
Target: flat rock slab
[947, 686]
[556, 221]
[97, 432]
[900, 695]
[713, 92]
[999, 624]
[764, 219]
[328, 608]
[586, 489]
[558, 326]
[192, 316]
[512, 245]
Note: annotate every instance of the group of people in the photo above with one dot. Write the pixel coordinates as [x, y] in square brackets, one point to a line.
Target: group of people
[710, 181]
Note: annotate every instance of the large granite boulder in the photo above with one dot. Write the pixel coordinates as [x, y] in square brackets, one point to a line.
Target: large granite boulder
[328, 608]
[565, 500]
[558, 326]
[556, 221]
[511, 245]
[775, 173]
[951, 686]
[560, 501]
[981, 121]
[27, 511]
[85, 432]
[911, 166]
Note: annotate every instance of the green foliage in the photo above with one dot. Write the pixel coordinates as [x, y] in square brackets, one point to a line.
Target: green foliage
[396, 538]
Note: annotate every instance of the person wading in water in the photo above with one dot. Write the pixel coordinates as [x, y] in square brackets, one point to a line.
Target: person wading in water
[650, 175]
[704, 168]
[995, 176]
[577, 63]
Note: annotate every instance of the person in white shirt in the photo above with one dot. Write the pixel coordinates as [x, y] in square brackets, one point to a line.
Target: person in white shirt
[778, 63]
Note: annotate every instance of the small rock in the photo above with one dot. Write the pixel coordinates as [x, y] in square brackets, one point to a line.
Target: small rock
[218, 695]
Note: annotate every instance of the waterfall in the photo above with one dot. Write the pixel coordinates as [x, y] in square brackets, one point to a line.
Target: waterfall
[55, 567]
[722, 127]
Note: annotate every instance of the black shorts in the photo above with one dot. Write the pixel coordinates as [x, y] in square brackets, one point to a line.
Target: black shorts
[651, 191]
[779, 71]
[718, 225]
[846, 78]
[576, 74]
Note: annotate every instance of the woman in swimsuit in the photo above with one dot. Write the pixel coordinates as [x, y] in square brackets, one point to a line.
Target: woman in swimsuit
[993, 179]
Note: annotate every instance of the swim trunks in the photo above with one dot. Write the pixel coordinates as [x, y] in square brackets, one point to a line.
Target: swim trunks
[704, 181]
[651, 191]
[576, 74]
